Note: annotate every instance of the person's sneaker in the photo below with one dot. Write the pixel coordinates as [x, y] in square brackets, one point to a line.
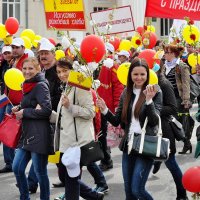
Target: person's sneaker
[103, 189]
[106, 166]
[61, 197]
[100, 196]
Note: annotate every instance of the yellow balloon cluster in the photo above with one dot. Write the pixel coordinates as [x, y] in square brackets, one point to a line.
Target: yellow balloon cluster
[122, 72]
[193, 60]
[125, 45]
[191, 34]
[59, 54]
[151, 28]
[14, 78]
[3, 31]
[136, 41]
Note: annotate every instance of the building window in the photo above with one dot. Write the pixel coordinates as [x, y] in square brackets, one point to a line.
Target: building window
[96, 9]
[11, 8]
[165, 25]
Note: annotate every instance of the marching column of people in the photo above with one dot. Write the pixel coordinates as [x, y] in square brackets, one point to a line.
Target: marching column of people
[128, 107]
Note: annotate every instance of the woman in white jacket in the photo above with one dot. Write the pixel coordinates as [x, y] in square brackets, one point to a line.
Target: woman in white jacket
[74, 128]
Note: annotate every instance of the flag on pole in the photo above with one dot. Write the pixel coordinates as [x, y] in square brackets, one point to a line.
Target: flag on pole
[4, 100]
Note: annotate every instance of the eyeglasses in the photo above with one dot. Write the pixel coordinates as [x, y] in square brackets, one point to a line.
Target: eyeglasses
[167, 52]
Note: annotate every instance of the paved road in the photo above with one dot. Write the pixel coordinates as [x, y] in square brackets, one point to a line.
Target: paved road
[161, 185]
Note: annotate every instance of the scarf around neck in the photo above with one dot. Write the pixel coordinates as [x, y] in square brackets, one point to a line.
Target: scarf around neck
[27, 87]
[170, 65]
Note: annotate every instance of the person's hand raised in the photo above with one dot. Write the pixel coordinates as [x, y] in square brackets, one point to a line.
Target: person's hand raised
[101, 104]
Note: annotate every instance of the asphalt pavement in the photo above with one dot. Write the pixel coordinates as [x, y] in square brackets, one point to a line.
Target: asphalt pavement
[160, 185]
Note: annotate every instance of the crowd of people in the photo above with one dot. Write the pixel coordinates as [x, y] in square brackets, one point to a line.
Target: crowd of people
[57, 116]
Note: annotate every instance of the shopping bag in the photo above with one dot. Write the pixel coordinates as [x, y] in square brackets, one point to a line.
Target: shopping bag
[54, 158]
[10, 130]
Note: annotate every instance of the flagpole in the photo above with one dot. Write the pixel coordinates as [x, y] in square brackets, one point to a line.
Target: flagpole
[10, 101]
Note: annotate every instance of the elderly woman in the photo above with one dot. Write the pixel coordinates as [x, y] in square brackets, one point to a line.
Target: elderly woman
[35, 141]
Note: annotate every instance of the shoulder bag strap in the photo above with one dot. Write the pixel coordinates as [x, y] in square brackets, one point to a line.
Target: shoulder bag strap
[74, 117]
[159, 134]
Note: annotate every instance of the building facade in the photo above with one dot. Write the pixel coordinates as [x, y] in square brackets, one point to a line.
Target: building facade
[30, 14]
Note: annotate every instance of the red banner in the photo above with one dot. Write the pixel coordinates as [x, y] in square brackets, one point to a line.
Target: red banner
[173, 9]
[72, 20]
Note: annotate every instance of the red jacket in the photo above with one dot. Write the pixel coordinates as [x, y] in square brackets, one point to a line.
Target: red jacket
[110, 89]
[16, 96]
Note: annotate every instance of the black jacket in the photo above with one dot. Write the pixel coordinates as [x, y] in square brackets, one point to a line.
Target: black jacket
[169, 108]
[36, 129]
[4, 66]
[151, 111]
[54, 86]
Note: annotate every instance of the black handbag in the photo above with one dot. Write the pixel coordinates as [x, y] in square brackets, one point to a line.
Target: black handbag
[155, 147]
[177, 129]
[90, 152]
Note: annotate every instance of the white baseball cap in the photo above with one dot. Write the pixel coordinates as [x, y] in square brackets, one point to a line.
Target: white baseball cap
[124, 53]
[71, 160]
[46, 46]
[29, 52]
[6, 49]
[110, 47]
[43, 40]
[17, 42]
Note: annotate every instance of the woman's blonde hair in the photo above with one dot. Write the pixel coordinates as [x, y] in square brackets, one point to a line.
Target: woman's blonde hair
[34, 61]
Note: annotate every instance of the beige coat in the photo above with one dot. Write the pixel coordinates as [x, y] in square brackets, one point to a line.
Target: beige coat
[83, 111]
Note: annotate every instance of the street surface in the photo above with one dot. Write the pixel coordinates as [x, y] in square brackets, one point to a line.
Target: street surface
[160, 185]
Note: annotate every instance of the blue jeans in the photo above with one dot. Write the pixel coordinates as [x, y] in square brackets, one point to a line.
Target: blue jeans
[21, 160]
[32, 178]
[8, 153]
[173, 167]
[136, 170]
[97, 174]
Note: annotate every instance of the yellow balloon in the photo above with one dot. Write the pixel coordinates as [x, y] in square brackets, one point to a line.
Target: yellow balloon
[191, 34]
[14, 78]
[36, 40]
[3, 31]
[59, 54]
[27, 42]
[8, 40]
[136, 41]
[153, 78]
[125, 45]
[193, 60]
[28, 33]
[151, 28]
[122, 72]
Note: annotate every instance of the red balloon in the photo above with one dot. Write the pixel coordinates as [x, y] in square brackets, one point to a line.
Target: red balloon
[115, 42]
[12, 25]
[140, 30]
[191, 179]
[92, 48]
[148, 55]
[52, 41]
[150, 38]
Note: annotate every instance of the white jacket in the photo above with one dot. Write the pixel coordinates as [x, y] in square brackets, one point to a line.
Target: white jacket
[83, 111]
